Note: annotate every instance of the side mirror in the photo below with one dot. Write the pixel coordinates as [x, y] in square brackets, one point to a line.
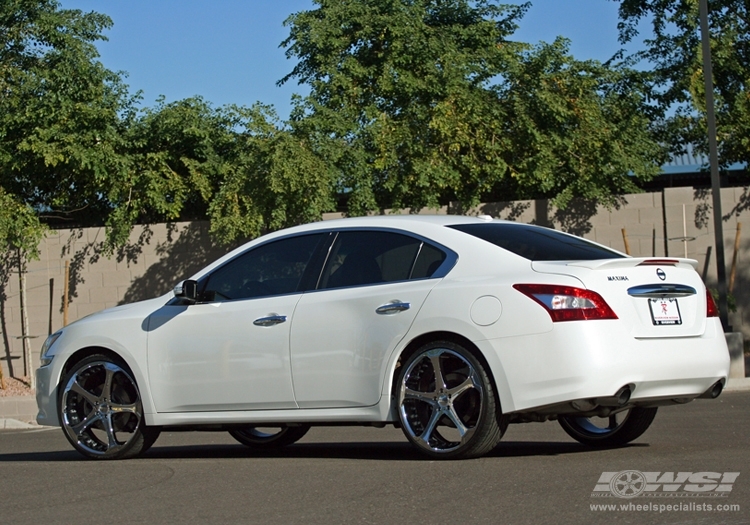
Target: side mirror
[188, 290]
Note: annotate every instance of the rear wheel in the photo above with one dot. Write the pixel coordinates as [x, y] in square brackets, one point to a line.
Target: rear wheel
[447, 404]
[618, 429]
[263, 437]
[101, 412]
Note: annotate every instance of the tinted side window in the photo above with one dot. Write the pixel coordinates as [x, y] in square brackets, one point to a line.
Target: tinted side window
[369, 257]
[274, 268]
[428, 260]
[536, 243]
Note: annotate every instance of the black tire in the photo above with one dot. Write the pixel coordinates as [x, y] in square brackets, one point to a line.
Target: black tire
[457, 417]
[616, 430]
[269, 437]
[100, 410]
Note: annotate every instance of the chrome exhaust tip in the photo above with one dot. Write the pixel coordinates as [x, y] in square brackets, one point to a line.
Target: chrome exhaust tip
[713, 392]
[620, 398]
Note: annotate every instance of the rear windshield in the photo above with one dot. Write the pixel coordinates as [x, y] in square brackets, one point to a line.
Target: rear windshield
[536, 243]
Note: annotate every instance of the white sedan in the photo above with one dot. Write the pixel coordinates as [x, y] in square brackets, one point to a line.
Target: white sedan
[448, 327]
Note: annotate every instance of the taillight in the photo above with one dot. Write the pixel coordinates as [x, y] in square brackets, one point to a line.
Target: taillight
[659, 262]
[567, 303]
[711, 310]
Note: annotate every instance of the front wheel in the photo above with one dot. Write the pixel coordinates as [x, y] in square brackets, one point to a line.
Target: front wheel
[269, 437]
[101, 412]
[447, 404]
[615, 430]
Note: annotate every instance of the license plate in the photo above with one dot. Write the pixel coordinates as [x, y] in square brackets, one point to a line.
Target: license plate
[665, 311]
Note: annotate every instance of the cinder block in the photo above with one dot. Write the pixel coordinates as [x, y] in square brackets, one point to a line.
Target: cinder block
[625, 218]
[91, 279]
[635, 234]
[151, 259]
[602, 218]
[646, 248]
[676, 196]
[37, 295]
[641, 200]
[651, 216]
[53, 238]
[120, 278]
[104, 264]
[104, 294]
[136, 264]
[610, 236]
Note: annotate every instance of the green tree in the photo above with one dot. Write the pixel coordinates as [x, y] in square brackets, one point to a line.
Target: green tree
[275, 178]
[175, 157]
[20, 235]
[673, 52]
[75, 148]
[423, 101]
[62, 114]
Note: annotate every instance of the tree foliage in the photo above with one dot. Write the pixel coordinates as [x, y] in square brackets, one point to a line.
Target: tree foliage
[274, 180]
[413, 103]
[417, 102]
[673, 50]
[60, 126]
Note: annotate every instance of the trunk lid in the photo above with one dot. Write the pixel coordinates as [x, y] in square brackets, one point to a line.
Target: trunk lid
[656, 298]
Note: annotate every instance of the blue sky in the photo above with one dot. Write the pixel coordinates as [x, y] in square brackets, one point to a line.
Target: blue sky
[227, 51]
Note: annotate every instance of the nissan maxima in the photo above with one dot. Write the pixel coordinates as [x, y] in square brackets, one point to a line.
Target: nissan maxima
[448, 327]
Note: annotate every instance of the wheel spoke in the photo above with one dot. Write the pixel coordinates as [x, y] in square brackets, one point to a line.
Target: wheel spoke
[78, 389]
[612, 422]
[469, 382]
[453, 416]
[89, 420]
[436, 367]
[430, 427]
[112, 443]
[109, 370]
[427, 397]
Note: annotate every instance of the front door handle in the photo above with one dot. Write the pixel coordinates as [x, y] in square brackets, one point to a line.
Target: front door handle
[392, 308]
[270, 320]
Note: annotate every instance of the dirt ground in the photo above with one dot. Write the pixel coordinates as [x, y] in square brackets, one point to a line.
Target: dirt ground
[16, 387]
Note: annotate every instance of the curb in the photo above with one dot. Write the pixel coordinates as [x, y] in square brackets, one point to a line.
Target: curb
[14, 424]
[18, 412]
[737, 385]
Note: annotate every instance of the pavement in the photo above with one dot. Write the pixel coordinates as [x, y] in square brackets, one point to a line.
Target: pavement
[20, 412]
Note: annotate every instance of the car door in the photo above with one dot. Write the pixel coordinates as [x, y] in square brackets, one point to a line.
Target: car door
[230, 351]
[370, 290]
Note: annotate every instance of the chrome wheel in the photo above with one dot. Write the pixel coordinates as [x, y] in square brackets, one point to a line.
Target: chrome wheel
[616, 429]
[446, 404]
[269, 436]
[101, 412]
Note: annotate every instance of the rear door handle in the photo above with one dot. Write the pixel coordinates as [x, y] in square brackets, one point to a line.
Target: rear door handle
[392, 308]
[270, 320]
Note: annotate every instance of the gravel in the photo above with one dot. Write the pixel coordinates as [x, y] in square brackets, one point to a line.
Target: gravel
[16, 387]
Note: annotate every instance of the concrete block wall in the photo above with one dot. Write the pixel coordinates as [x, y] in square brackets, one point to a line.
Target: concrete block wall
[159, 256]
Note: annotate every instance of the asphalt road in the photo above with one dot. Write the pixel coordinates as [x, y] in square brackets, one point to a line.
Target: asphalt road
[366, 475]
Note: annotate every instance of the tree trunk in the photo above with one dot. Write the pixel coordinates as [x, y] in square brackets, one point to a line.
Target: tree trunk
[27, 361]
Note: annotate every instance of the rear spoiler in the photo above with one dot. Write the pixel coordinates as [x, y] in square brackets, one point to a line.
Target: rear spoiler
[632, 262]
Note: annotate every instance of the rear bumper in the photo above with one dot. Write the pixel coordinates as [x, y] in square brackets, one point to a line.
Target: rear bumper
[593, 359]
